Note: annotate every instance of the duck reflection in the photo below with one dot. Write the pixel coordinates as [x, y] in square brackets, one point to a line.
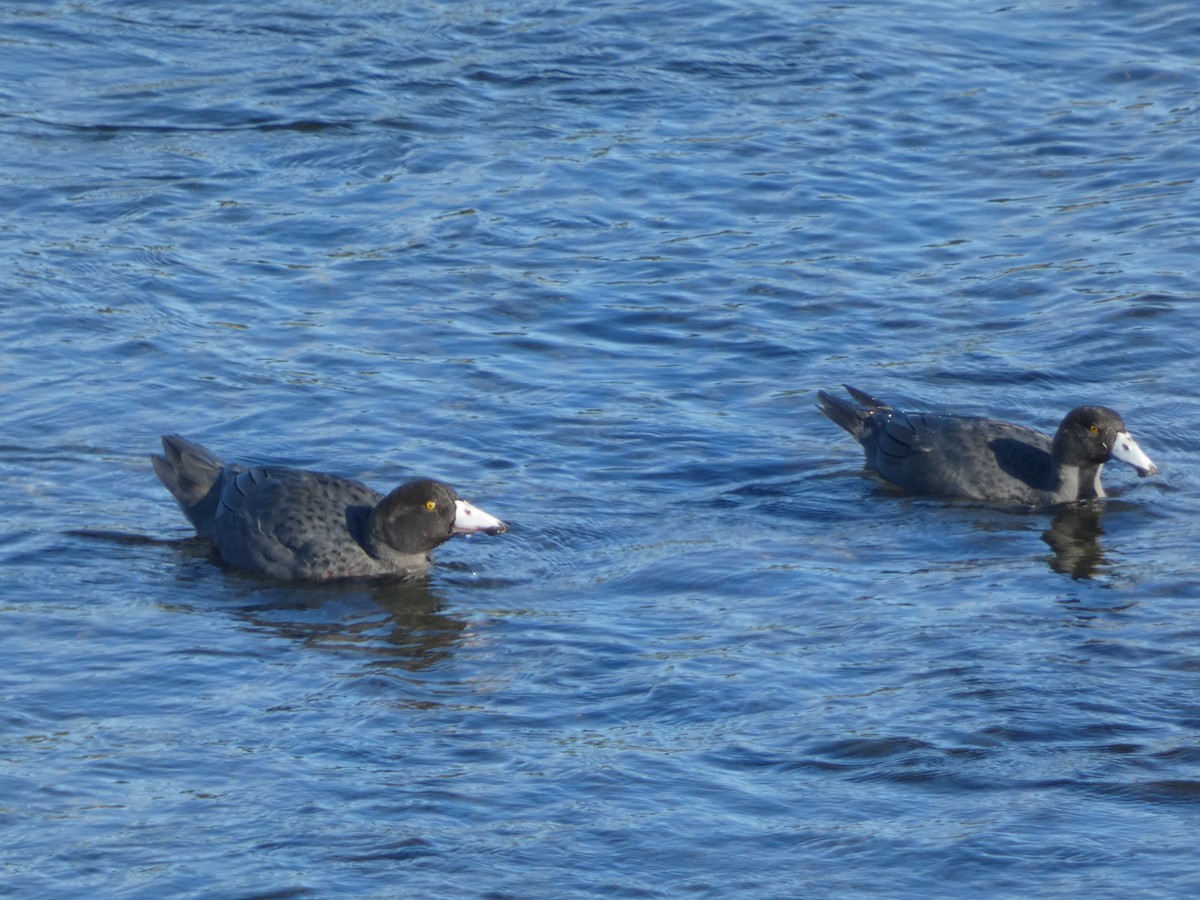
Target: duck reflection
[400, 622]
[397, 623]
[1074, 536]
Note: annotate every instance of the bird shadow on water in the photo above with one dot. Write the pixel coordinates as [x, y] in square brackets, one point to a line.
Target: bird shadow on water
[1073, 532]
[394, 622]
[1074, 539]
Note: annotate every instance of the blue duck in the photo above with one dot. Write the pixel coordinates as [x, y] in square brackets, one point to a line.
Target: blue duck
[292, 524]
[985, 459]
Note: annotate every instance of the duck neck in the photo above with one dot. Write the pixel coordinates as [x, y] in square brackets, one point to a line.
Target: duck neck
[361, 522]
[1081, 480]
[1089, 482]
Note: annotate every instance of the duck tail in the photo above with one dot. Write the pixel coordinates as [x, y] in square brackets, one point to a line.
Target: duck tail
[866, 399]
[845, 414]
[189, 472]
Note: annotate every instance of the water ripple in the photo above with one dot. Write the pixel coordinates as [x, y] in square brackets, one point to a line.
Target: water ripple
[590, 265]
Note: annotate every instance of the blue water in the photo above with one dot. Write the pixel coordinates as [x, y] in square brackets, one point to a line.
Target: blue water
[590, 264]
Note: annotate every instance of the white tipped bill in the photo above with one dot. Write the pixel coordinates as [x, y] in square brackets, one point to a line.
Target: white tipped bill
[1126, 449]
[470, 519]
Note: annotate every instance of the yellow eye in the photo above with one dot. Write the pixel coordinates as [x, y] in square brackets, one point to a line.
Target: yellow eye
[429, 504]
[1094, 429]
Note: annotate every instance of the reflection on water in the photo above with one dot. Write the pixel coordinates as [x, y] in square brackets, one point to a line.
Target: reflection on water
[1074, 536]
[398, 620]
[591, 269]
[398, 623]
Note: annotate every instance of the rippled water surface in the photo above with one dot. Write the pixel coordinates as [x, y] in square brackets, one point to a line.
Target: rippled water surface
[590, 263]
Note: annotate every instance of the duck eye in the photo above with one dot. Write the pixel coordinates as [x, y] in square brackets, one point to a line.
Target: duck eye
[1094, 429]
[430, 504]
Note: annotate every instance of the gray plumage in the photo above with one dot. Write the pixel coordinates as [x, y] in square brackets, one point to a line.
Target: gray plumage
[294, 524]
[986, 459]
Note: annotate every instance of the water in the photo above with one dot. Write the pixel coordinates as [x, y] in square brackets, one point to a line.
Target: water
[590, 264]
